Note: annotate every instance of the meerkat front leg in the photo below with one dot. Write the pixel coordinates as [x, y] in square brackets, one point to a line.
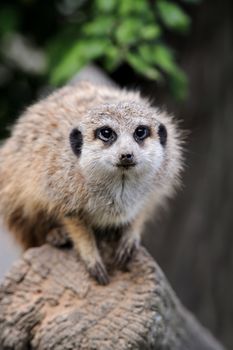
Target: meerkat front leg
[84, 243]
[129, 242]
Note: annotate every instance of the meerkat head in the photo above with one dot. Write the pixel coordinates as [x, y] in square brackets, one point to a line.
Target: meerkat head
[128, 140]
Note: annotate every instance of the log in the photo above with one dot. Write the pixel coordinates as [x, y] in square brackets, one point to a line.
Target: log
[48, 301]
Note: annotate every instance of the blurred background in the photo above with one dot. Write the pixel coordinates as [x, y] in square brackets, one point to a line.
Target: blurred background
[180, 54]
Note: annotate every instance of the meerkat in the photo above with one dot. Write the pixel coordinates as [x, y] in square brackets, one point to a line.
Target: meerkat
[91, 160]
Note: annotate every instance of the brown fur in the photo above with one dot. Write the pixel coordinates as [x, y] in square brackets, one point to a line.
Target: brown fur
[42, 186]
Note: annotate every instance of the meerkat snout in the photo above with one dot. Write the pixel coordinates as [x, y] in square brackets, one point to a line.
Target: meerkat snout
[126, 160]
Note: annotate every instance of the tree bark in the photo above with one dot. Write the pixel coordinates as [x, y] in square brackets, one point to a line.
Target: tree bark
[48, 301]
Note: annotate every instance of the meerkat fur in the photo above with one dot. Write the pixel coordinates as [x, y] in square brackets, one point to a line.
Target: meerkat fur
[88, 159]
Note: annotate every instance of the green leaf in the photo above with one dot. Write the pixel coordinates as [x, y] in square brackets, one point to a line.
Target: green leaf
[173, 16]
[60, 44]
[102, 25]
[112, 57]
[128, 31]
[105, 5]
[150, 32]
[142, 67]
[74, 59]
[160, 55]
[146, 52]
[129, 7]
[164, 58]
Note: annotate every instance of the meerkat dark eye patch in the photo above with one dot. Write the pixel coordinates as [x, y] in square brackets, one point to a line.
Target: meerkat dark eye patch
[162, 132]
[76, 141]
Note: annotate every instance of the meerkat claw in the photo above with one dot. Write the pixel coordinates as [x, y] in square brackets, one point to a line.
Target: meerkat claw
[124, 254]
[99, 273]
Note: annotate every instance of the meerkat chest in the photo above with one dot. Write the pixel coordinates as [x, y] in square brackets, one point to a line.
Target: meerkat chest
[116, 202]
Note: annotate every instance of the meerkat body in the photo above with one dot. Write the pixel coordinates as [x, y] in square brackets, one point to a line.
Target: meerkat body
[91, 160]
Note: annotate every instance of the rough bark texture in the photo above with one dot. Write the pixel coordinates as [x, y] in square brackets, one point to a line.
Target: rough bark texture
[48, 301]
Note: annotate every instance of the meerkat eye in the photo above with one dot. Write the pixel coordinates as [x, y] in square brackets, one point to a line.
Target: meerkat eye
[106, 134]
[162, 132]
[141, 133]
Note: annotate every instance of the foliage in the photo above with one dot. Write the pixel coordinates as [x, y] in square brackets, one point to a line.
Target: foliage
[49, 41]
[119, 31]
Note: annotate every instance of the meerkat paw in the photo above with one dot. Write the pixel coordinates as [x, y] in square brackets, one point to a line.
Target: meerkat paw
[99, 273]
[58, 237]
[125, 251]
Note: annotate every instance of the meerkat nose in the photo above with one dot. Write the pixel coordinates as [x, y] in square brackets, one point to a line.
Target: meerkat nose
[127, 159]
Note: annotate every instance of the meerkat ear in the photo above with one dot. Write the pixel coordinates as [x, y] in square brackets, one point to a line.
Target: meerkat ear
[162, 132]
[76, 141]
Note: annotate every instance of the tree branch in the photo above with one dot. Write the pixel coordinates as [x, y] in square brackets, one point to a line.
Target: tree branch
[48, 301]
